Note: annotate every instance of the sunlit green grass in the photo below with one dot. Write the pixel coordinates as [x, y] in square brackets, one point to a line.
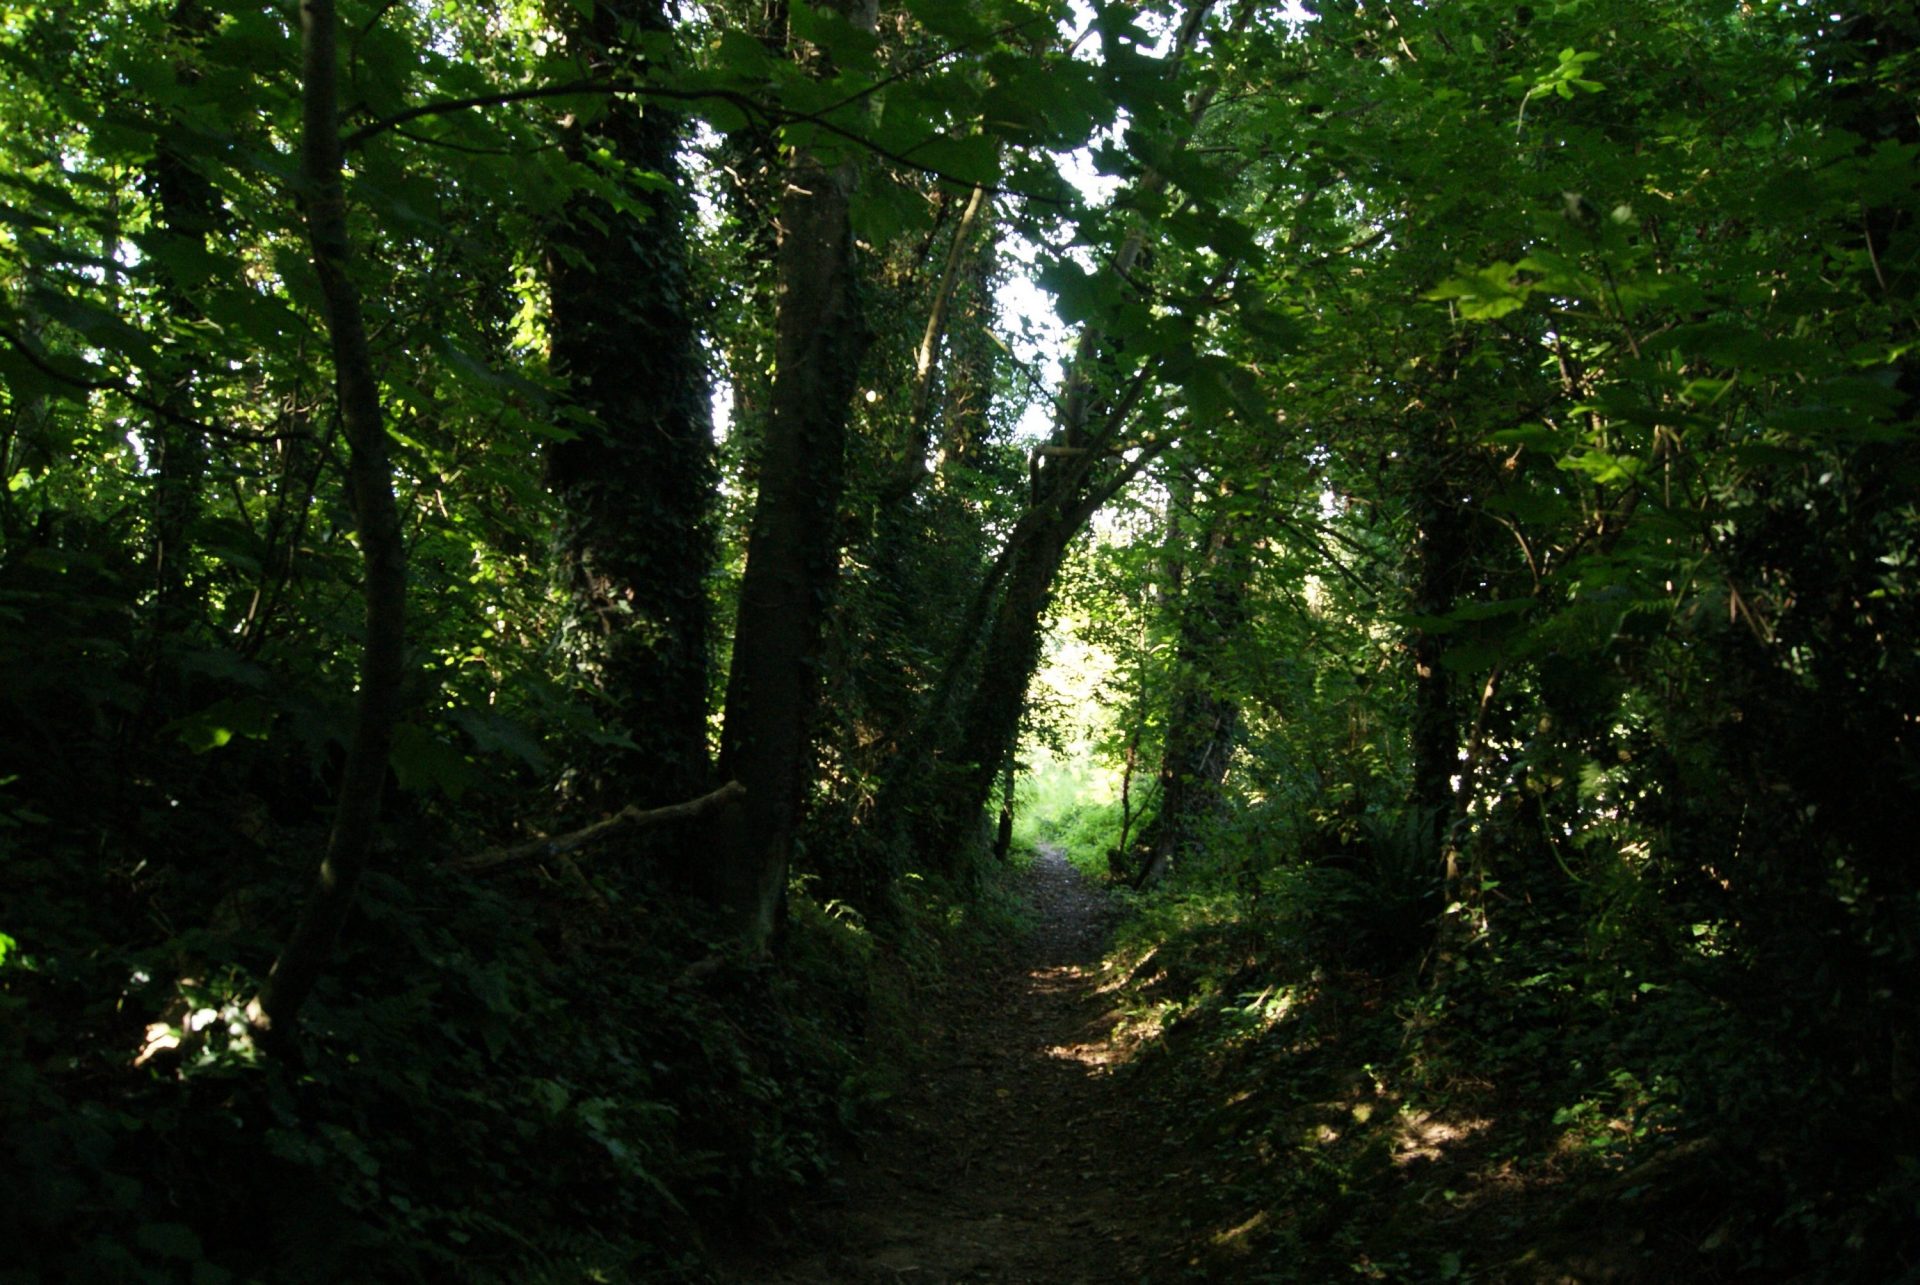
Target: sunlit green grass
[1071, 801]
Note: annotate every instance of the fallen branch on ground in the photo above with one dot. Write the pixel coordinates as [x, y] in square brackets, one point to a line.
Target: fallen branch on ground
[627, 818]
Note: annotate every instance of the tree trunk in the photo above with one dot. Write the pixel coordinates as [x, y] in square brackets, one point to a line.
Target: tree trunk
[383, 554]
[793, 546]
[1003, 832]
[750, 161]
[942, 780]
[1203, 718]
[913, 468]
[1437, 553]
[188, 209]
[635, 546]
[1007, 662]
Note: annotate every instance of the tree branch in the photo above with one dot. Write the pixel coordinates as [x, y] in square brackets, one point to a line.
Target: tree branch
[751, 106]
[45, 365]
[627, 818]
[447, 106]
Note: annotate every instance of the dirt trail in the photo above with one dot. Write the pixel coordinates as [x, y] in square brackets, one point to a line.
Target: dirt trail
[1018, 1155]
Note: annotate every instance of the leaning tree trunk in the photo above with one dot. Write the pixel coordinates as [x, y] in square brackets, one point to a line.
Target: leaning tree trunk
[793, 545]
[635, 546]
[974, 714]
[383, 554]
[1007, 661]
[1204, 717]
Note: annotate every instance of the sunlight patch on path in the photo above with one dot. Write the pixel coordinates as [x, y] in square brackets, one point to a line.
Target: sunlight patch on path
[1098, 1056]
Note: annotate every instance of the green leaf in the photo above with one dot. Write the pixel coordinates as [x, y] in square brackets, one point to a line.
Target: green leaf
[99, 326]
[551, 1095]
[423, 761]
[1605, 467]
[742, 58]
[851, 48]
[1080, 296]
[885, 210]
[956, 20]
[1485, 294]
[221, 722]
[964, 160]
[494, 734]
[1496, 610]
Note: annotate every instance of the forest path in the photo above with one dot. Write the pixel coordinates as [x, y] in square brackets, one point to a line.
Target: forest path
[1017, 1155]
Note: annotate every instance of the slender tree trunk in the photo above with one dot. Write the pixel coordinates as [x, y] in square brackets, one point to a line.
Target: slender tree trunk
[1007, 662]
[944, 775]
[998, 644]
[1003, 832]
[913, 468]
[793, 547]
[967, 381]
[187, 207]
[755, 174]
[974, 711]
[928, 548]
[383, 554]
[635, 546]
[1437, 552]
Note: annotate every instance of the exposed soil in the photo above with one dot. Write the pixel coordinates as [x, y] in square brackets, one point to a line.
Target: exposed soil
[1018, 1154]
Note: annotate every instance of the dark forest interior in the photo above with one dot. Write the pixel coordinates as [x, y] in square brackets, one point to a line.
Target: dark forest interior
[1022, 640]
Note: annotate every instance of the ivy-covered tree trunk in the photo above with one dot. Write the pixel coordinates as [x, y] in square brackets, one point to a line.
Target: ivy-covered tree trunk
[1203, 717]
[793, 546]
[635, 548]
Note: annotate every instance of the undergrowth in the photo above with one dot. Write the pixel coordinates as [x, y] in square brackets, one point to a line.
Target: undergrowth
[1377, 1100]
[516, 1080]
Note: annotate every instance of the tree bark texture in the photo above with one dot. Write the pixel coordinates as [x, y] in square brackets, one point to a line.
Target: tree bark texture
[636, 544]
[793, 544]
[383, 553]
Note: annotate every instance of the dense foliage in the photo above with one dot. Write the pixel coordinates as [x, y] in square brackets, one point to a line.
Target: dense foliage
[1484, 467]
